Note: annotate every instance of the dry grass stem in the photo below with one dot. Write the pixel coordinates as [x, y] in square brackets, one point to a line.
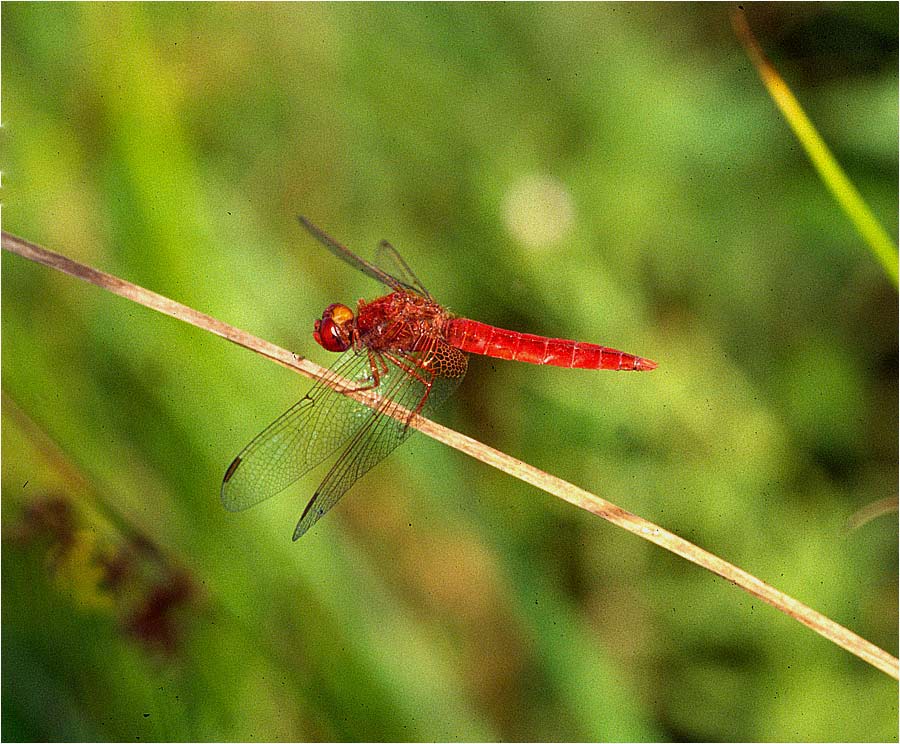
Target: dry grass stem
[590, 502]
[875, 509]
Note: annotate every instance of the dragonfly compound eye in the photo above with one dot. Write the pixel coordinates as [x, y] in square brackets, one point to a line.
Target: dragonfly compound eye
[332, 332]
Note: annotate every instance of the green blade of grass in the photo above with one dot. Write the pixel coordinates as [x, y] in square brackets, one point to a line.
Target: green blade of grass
[823, 161]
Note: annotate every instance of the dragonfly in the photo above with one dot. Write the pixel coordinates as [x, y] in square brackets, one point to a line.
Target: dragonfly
[409, 353]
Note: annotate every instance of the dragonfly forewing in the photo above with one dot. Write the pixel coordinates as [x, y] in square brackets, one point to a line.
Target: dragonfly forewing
[348, 256]
[398, 393]
[308, 433]
[389, 258]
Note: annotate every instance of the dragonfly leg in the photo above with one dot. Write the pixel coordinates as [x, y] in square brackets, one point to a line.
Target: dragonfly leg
[437, 359]
[418, 371]
[378, 367]
[444, 361]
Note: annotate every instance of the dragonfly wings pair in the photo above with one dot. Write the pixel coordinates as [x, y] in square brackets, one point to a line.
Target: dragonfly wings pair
[324, 422]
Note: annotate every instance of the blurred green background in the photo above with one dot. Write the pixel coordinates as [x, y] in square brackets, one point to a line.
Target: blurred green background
[613, 173]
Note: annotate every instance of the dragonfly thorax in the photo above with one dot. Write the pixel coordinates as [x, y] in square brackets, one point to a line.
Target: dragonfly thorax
[333, 331]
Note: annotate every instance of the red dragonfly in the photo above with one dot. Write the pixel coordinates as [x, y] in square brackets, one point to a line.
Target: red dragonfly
[411, 354]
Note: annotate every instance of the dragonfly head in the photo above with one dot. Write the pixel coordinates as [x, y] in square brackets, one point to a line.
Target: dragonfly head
[333, 330]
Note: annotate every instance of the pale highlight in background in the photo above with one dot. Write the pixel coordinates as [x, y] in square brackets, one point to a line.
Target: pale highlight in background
[538, 211]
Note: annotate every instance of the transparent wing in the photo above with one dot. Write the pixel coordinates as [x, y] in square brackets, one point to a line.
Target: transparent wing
[348, 256]
[381, 433]
[388, 256]
[316, 427]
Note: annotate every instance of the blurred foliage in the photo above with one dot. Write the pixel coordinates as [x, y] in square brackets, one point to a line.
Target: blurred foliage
[611, 172]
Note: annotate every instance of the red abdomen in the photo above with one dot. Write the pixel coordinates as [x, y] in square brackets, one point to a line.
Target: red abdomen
[481, 338]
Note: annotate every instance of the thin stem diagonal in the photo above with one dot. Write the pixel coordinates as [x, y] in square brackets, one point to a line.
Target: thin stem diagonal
[824, 626]
[841, 187]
